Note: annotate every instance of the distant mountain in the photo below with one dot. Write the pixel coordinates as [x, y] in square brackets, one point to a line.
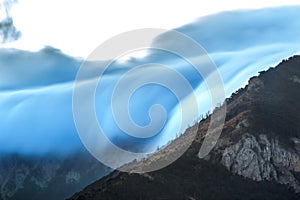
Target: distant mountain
[256, 157]
[46, 177]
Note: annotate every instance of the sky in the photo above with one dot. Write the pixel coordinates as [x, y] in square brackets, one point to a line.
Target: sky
[78, 27]
[36, 86]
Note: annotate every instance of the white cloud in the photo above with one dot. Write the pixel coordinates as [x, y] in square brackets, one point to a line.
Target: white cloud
[78, 27]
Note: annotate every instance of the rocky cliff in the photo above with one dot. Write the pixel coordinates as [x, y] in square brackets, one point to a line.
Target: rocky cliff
[261, 136]
[256, 157]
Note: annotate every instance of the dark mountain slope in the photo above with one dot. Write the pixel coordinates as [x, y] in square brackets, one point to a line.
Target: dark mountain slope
[256, 157]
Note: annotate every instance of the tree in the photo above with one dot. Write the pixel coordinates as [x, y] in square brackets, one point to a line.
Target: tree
[8, 31]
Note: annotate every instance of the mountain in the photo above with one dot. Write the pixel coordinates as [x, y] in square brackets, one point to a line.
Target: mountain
[46, 177]
[256, 157]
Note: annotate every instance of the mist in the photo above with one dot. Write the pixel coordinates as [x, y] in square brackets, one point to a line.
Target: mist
[36, 87]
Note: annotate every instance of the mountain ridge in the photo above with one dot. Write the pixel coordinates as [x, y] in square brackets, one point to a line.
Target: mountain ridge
[258, 150]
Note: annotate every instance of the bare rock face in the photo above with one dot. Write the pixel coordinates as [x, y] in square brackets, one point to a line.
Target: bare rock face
[43, 173]
[295, 79]
[255, 84]
[72, 177]
[262, 159]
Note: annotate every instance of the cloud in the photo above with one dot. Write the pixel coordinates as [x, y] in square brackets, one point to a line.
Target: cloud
[246, 40]
[36, 87]
[22, 69]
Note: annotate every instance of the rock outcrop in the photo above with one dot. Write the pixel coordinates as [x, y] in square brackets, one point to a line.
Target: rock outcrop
[261, 141]
[262, 159]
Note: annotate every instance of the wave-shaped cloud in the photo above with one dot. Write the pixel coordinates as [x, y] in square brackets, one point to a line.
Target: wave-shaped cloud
[36, 87]
[243, 42]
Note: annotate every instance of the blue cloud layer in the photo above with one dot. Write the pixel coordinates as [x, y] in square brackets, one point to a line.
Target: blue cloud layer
[36, 87]
[243, 42]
